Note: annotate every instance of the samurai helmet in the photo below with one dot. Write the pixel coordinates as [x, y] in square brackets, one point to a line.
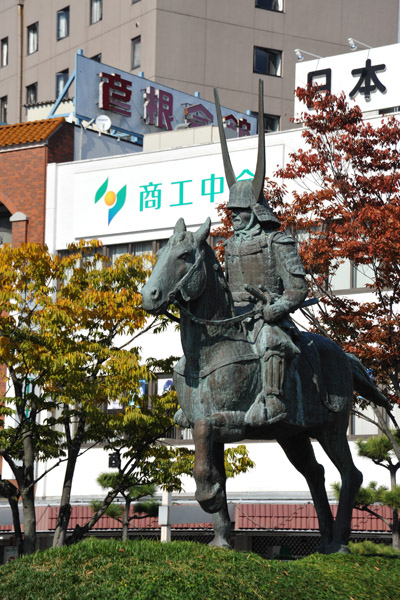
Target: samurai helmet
[248, 194]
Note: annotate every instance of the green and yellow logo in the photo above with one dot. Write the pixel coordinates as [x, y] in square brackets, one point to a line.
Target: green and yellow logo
[115, 201]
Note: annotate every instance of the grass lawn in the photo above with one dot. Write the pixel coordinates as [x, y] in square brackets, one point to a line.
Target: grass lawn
[147, 570]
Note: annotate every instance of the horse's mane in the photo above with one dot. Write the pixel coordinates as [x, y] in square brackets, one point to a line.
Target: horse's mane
[222, 294]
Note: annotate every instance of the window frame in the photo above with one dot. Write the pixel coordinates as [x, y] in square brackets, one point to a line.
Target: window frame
[92, 11]
[271, 9]
[136, 42]
[63, 72]
[266, 116]
[31, 87]
[3, 107]
[274, 118]
[65, 10]
[34, 27]
[4, 45]
[271, 52]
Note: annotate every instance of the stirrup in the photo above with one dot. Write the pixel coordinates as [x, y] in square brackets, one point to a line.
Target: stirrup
[275, 408]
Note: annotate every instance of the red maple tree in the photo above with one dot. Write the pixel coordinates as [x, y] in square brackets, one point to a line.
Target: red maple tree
[346, 207]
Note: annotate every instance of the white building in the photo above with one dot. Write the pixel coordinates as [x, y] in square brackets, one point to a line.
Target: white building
[181, 174]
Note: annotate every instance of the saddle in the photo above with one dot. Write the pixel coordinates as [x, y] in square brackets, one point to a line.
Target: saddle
[215, 356]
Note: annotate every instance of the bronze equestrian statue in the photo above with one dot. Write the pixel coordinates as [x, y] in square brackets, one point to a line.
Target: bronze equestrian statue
[247, 372]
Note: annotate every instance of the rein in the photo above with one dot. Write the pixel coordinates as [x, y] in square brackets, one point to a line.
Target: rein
[224, 322]
[220, 322]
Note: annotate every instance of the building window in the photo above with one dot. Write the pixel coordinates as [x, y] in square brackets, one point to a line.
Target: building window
[63, 23]
[96, 57]
[3, 109]
[276, 5]
[96, 11]
[134, 1]
[4, 52]
[267, 61]
[61, 80]
[272, 122]
[136, 46]
[31, 93]
[33, 38]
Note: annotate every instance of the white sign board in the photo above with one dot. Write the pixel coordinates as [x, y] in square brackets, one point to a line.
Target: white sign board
[367, 77]
[124, 199]
[139, 197]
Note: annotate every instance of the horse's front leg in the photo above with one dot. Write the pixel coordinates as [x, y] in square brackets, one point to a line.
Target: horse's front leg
[221, 519]
[208, 474]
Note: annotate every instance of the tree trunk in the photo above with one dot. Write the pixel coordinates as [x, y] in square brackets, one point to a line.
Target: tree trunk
[79, 532]
[64, 513]
[125, 522]
[9, 491]
[28, 504]
[396, 530]
[27, 490]
[13, 500]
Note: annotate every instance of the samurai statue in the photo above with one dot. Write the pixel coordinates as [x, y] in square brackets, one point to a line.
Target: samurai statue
[264, 270]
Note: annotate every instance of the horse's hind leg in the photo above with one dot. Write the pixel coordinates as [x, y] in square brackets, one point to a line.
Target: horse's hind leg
[333, 439]
[300, 452]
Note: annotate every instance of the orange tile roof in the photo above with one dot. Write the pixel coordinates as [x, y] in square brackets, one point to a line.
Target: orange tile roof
[27, 133]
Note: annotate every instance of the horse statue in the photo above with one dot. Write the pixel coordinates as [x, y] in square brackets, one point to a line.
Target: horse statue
[218, 378]
[250, 374]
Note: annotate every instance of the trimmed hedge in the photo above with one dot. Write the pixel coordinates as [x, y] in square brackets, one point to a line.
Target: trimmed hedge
[147, 570]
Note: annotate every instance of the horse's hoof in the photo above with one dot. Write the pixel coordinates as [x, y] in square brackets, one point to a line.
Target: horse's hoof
[322, 548]
[210, 499]
[220, 542]
[336, 548]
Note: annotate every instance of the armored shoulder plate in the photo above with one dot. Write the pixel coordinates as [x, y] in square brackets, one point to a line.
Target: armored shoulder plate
[282, 237]
[289, 254]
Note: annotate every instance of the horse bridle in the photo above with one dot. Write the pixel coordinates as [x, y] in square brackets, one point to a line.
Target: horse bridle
[180, 288]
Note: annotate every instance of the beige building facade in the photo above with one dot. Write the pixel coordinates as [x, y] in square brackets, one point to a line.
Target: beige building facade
[190, 45]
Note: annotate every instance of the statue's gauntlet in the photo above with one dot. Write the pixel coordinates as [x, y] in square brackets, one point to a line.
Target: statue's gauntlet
[274, 312]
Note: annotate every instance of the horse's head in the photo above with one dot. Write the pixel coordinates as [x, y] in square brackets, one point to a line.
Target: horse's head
[180, 271]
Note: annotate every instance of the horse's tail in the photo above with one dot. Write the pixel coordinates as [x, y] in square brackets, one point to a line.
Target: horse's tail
[364, 385]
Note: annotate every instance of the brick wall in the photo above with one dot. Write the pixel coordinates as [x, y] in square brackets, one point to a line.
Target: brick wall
[23, 182]
[61, 144]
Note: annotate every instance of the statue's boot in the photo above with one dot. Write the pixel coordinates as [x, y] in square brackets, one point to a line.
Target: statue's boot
[268, 407]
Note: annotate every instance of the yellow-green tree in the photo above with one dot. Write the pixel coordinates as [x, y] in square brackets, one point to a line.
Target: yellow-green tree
[165, 468]
[68, 332]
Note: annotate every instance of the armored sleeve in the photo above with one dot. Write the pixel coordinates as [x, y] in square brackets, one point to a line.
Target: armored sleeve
[226, 244]
[291, 273]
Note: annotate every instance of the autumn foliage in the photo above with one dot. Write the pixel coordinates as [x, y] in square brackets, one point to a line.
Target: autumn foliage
[346, 208]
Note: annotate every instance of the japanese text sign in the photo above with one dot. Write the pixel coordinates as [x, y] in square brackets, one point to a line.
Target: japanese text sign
[137, 105]
[368, 77]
